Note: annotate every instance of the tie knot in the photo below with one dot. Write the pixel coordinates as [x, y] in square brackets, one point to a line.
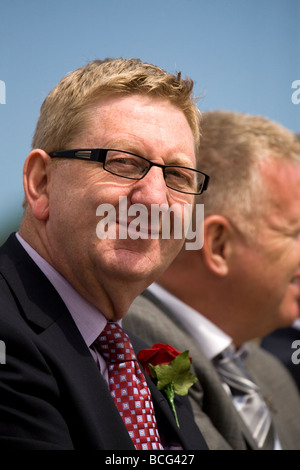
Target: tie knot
[115, 345]
[232, 369]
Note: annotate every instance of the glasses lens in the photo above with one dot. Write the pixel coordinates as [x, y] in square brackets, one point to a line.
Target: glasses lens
[126, 165]
[184, 180]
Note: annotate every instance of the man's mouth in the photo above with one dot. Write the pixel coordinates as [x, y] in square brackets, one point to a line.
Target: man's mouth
[133, 229]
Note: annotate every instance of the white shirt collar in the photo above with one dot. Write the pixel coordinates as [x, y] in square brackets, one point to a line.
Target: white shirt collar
[296, 324]
[211, 339]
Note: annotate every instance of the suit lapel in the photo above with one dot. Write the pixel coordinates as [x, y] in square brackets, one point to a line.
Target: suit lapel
[209, 380]
[218, 405]
[34, 294]
[86, 400]
[84, 392]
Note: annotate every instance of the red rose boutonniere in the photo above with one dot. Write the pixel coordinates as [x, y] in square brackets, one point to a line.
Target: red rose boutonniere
[171, 370]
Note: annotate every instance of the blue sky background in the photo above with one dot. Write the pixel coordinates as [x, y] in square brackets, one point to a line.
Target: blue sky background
[243, 55]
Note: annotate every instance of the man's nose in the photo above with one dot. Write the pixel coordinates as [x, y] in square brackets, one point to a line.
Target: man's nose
[151, 189]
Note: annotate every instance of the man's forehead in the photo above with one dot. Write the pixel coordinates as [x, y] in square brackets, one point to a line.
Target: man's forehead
[131, 122]
[278, 170]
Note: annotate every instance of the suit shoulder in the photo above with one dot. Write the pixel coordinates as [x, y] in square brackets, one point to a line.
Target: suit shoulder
[267, 368]
[145, 311]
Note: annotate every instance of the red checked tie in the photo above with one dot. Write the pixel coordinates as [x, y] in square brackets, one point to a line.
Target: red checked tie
[128, 387]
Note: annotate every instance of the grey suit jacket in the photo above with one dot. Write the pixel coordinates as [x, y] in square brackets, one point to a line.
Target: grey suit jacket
[214, 412]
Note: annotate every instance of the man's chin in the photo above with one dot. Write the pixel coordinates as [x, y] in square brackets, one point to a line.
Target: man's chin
[133, 265]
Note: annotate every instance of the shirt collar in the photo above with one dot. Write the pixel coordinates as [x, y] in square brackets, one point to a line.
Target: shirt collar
[296, 324]
[89, 320]
[210, 338]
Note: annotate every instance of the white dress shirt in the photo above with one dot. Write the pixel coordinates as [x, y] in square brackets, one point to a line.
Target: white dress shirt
[89, 320]
[211, 339]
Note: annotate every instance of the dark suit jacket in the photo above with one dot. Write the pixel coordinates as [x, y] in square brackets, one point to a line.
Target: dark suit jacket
[216, 416]
[280, 343]
[52, 395]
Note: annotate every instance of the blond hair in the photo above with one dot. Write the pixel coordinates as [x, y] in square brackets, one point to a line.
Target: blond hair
[233, 146]
[66, 108]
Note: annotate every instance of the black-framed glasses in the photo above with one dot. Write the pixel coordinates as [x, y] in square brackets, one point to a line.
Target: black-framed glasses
[134, 167]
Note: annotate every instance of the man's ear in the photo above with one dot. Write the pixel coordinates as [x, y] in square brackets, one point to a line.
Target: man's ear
[35, 179]
[217, 245]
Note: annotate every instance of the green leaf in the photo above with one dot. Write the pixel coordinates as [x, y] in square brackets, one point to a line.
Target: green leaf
[176, 372]
[152, 370]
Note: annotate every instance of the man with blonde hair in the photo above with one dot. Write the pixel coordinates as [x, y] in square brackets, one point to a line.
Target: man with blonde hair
[113, 130]
[218, 299]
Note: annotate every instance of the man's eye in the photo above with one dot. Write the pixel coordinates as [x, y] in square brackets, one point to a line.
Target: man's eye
[179, 175]
[122, 161]
[126, 166]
